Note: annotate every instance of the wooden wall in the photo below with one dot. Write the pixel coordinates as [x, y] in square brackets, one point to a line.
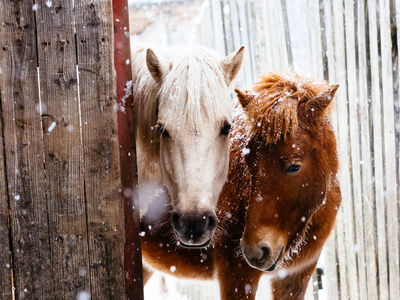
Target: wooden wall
[61, 224]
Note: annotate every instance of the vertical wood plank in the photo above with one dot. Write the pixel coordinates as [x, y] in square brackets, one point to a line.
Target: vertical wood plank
[378, 151]
[5, 230]
[259, 47]
[248, 73]
[218, 27]
[331, 263]
[228, 34]
[314, 27]
[62, 147]
[237, 37]
[26, 184]
[353, 102]
[346, 225]
[94, 36]
[389, 150]
[366, 166]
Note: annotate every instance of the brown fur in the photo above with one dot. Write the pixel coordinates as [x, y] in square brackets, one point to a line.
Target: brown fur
[285, 119]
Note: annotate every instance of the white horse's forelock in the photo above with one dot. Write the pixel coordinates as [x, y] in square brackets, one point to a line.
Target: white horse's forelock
[195, 84]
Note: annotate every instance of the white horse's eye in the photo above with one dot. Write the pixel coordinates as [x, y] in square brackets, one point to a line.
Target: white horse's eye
[225, 128]
[163, 132]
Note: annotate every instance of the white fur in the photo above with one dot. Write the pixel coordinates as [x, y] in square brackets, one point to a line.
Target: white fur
[193, 102]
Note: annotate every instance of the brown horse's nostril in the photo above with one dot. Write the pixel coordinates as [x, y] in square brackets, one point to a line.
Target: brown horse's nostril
[266, 254]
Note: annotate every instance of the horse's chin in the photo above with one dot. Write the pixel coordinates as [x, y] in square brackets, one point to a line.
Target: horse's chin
[192, 245]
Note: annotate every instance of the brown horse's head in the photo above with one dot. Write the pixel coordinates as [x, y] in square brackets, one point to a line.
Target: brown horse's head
[291, 155]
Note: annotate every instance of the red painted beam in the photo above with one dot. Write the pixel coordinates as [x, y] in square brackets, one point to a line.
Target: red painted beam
[126, 136]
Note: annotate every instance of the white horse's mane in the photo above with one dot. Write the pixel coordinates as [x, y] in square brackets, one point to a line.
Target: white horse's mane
[195, 84]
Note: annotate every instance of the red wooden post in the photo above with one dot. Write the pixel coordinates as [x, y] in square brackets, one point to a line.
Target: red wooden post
[126, 135]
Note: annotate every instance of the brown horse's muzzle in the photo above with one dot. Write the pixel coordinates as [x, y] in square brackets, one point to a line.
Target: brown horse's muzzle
[194, 230]
[265, 250]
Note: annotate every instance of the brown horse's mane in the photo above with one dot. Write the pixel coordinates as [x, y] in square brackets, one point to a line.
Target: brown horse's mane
[278, 100]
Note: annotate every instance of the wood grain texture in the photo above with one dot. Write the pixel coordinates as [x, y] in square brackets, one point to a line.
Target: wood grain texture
[5, 230]
[62, 148]
[60, 187]
[376, 103]
[5, 233]
[366, 156]
[104, 202]
[23, 143]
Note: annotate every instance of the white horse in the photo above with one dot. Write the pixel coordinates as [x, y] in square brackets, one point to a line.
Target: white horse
[183, 113]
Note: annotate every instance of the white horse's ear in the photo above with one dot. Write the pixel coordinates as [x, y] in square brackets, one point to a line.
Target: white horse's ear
[232, 64]
[157, 65]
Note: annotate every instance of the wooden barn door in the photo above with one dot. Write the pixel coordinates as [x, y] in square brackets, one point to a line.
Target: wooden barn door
[61, 204]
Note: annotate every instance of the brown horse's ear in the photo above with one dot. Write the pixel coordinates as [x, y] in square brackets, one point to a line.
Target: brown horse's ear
[232, 64]
[244, 97]
[157, 65]
[319, 103]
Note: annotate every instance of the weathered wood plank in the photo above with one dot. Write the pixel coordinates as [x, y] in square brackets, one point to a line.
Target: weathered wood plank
[259, 48]
[314, 27]
[23, 143]
[353, 102]
[378, 151]
[366, 156]
[392, 220]
[226, 20]
[348, 268]
[331, 267]
[5, 233]
[218, 27]
[103, 195]
[63, 148]
[247, 70]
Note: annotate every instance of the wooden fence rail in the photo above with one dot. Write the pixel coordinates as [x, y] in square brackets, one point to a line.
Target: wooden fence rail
[61, 206]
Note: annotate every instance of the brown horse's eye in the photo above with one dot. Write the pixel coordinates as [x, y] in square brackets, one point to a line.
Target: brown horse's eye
[163, 132]
[225, 129]
[293, 168]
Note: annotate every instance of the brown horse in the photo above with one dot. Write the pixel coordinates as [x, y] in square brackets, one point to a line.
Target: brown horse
[280, 200]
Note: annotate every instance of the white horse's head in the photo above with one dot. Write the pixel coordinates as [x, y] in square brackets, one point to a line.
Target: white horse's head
[193, 123]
